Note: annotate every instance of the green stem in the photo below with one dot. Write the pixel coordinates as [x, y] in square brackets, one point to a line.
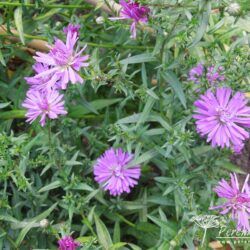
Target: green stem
[204, 237]
[49, 137]
[97, 45]
[50, 6]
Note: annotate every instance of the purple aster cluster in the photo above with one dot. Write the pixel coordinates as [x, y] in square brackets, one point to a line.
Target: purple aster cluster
[54, 70]
[222, 117]
[237, 201]
[112, 173]
[133, 11]
[211, 74]
[68, 243]
[214, 75]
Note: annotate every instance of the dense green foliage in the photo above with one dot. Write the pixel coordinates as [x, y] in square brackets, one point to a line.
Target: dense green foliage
[136, 96]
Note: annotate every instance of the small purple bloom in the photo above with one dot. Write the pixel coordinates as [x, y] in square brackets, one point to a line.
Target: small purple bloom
[67, 243]
[43, 104]
[112, 174]
[71, 28]
[223, 118]
[238, 201]
[214, 76]
[196, 73]
[63, 61]
[135, 12]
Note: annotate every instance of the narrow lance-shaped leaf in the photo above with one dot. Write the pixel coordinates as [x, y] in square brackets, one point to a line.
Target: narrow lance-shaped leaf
[203, 24]
[142, 58]
[172, 79]
[19, 23]
[103, 234]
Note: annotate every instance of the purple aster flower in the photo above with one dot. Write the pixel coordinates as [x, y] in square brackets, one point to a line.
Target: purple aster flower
[222, 118]
[135, 12]
[196, 73]
[63, 60]
[71, 28]
[238, 201]
[43, 104]
[112, 174]
[67, 243]
[214, 76]
[42, 83]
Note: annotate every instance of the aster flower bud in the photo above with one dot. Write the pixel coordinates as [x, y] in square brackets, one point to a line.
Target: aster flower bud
[99, 20]
[44, 223]
[233, 9]
[173, 243]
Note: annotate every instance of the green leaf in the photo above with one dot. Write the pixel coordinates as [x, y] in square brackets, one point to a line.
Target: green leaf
[18, 13]
[85, 239]
[79, 111]
[117, 232]
[103, 234]
[118, 245]
[2, 59]
[3, 105]
[145, 57]
[165, 226]
[13, 114]
[134, 247]
[229, 166]
[47, 15]
[204, 19]
[53, 185]
[143, 158]
[146, 111]
[172, 79]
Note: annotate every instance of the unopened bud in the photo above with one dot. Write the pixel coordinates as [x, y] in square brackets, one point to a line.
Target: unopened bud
[233, 9]
[44, 223]
[154, 81]
[99, 20]
[173, 243]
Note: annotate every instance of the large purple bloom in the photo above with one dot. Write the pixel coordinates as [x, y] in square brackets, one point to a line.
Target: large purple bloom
[43, 104]
[238, 201]
[112, 174]
[133, 11]
[67, 243]
[63, 60]
[222, 118]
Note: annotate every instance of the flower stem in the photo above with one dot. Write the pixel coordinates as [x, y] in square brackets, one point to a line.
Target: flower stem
[49, 6]
[49, 137]
[204, 237]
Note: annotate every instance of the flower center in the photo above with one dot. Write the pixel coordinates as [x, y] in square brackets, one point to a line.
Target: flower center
[116, 170]
[224, 115]
[44, 106]
[241, 200]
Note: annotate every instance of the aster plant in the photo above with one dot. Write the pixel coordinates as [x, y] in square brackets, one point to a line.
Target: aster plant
[223, 117]
[113, 175]
[133, 11]
[237, 201]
